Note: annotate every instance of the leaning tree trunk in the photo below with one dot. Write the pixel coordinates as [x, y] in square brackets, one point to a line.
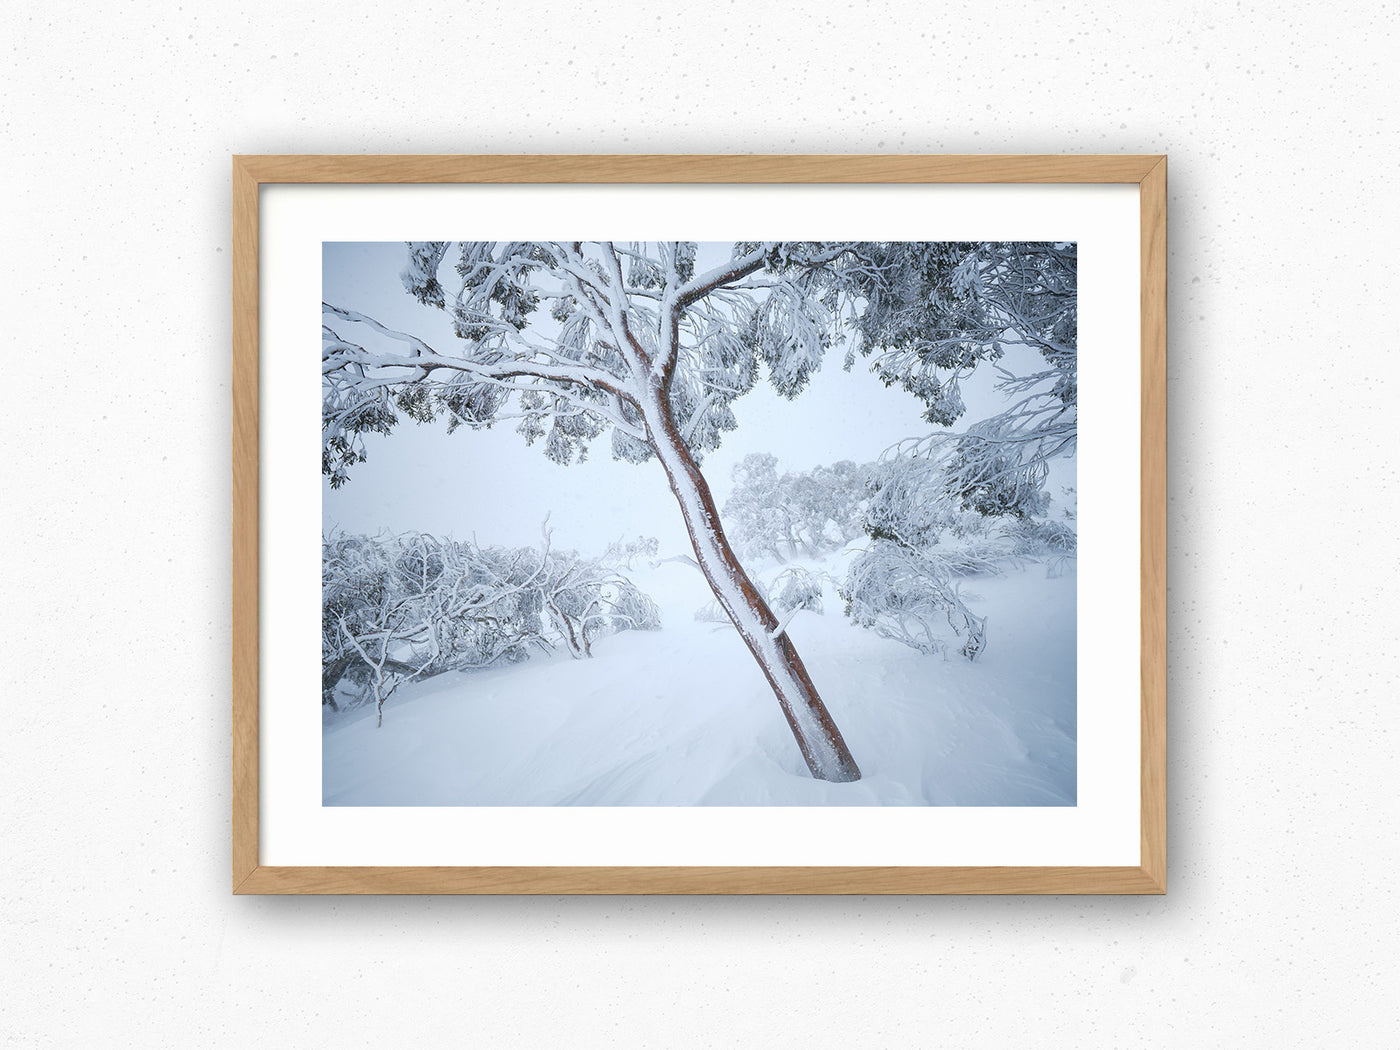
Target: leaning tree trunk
[819, 740]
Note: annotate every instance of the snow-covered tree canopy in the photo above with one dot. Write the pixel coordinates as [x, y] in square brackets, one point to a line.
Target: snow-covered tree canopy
[565, 337]
[935, 312]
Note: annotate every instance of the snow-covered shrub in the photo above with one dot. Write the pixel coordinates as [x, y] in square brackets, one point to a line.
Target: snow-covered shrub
[902, 586]
[410, 606]
[633, 610]
[589, 598]
[395, 608]
[1052, 540]
[711, 612]
[795, 588]
[927, 531]
[1034, 536]
[906, 594]
[357, 581]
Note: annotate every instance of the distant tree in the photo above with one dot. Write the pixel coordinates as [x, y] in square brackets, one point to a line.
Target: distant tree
[792, 590]
[793, 514]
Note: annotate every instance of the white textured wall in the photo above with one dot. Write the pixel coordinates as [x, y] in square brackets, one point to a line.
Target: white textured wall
[118, 927]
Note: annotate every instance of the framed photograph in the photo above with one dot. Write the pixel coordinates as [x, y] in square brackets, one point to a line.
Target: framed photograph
[764, 536]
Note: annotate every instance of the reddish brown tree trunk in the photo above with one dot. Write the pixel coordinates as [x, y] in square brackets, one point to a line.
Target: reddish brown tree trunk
[820, 741]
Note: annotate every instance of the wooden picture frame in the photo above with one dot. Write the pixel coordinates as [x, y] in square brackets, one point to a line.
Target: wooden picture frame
[251, 173]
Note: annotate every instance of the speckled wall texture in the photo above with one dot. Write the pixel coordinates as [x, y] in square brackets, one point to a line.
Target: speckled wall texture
[1280, 927]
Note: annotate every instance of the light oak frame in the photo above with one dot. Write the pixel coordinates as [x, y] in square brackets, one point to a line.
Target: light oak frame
[251, 172]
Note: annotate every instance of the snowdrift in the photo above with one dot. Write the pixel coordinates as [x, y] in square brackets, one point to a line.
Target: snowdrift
[683, 716]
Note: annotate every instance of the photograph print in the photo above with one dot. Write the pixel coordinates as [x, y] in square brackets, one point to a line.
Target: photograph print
[699, 523]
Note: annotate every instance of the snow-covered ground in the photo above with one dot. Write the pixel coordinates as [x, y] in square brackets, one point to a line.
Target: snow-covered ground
[683, 716]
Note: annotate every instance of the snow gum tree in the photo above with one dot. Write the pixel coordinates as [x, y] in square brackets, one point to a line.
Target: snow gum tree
[574, 339]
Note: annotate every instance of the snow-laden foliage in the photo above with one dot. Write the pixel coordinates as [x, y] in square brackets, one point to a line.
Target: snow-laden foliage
[935, 313]
[626, 316]
[794, 514]
[796, 588]
[620, 317]
[399, 607]
[909, 595]
[906, 583]
[956, 503]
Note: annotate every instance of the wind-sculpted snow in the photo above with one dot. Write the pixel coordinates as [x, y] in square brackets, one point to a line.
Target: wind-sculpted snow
[681, 717]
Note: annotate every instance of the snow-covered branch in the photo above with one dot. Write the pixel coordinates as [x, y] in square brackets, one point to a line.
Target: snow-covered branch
[396, 608]
[703, 284]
